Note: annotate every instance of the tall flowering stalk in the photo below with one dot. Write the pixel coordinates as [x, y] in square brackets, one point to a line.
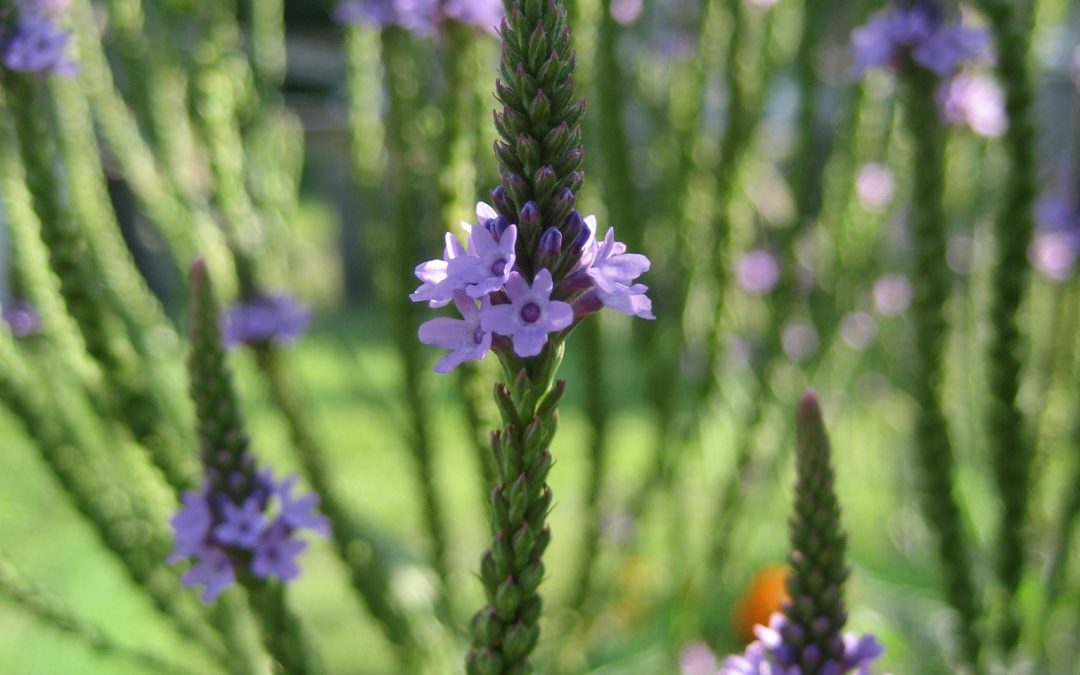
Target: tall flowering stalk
[1012, 450]
[923, 44]
[532, 269]
[807, 637]
[242, 525]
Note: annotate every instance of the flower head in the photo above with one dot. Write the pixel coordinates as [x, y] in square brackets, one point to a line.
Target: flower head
[917, 32]
[420, 17]
[1056, 247]
[465, 337]
[613, 272]
[530, 316]
[976, 101]
[22, 318]
[259, 534]
[874, 185]
[265, 319]
[34, 42]
[757, 272]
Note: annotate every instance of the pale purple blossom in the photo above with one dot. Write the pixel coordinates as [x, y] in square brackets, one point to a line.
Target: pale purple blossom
[799, 339]
[858, 330]
[892, 294]
[874, 185]
[613, 272]
[976, 101]
[265, 319]
[420, 17]
[276, 552]
[240, 525]
[213, 569]
[488, 264]
[697, 659]
[484, 14]
[465, 337]
[758, 272]
[530, 316]
[917, 32]
[438, 287]
[22, 318]
[626, 12]
[770, 655]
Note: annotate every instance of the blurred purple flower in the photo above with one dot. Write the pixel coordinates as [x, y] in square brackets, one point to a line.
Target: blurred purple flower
[22, 318]
[531, 314]
[697, 659]
[858, 330]
[265, 319]
[799, 339]
[465, 337]
[222, 536]
[917, 31]
[874, 185]
[892, 294]
[484, 14]
[769, 655]
[1056, 247]
[420, 17]
[438, 286]
[974, 100]
[626, 12]
[35, 43]
[758, 272]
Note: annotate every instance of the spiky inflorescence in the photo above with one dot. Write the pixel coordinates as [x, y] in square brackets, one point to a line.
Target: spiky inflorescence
[539, 148]
[815, 614]
[937, 462]
[1012, 451]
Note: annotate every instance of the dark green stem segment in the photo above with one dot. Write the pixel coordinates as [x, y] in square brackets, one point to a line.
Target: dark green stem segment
[539, 152]
[815, 614]
[134, 402]
[936, 460]
[230, 467]
[506, 631]
[1012, 450]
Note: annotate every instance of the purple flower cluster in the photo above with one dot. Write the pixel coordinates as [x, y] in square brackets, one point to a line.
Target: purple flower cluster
[32, 41]
[22, 318]
[495, 298]
[1056, 248]
[420, 17]
[769, 655]
[226, 537]
[265, 319]
[917, 31]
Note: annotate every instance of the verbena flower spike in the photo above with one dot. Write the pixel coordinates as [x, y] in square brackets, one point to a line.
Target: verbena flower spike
[242, 525]
[916, 31]
[807, 638]
[265, 319]
[531, 269]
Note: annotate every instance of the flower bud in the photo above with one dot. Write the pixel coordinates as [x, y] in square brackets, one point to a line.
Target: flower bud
[530, 218]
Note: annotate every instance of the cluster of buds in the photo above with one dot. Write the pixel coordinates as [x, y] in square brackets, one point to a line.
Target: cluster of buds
[32, 40]
[488, 281]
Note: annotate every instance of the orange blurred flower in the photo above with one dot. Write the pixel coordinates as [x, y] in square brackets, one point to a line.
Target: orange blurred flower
[765, 595]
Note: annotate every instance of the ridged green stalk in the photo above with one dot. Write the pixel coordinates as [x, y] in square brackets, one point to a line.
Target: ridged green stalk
[1011, 446]
[934, 451]
[133, 399]
[815, 614]
[224, 444]
[68, 451]
[51, 612]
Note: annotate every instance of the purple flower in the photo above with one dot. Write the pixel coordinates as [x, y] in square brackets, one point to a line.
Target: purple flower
[300, 513]
[416, 16]
[697, 659]
[224, 538]
[276, 553]
[860, 652]
[214, 570]
[976, 101]
[484, 14]
[465, 337]
[488, 263]
[35, 44]
[770, 655]
[799, 339]
[265, 319]
[626, 12]
[530, 316]
[241, 525]
[919, 32]
[858, 330]
[22, 318]
[613, 271]
[438, 287]
[892, 294]
[757, 272]
[874, 185]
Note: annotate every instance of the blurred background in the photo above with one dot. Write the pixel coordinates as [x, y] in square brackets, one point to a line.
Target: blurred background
[732, 142]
